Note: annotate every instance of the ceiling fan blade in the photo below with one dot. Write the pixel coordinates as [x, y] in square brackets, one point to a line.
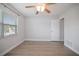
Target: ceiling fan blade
[29, 6]
[48, 11]
[37, 12]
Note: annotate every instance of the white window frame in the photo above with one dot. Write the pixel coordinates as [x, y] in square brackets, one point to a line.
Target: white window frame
[2, 25]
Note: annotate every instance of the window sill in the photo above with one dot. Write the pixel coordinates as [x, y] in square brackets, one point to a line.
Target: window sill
[9, 36]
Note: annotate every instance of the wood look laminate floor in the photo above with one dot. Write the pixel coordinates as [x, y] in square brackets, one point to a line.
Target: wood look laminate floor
[35, 48]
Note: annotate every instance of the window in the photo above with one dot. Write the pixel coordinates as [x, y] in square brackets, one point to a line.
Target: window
[0, 23]
[9, 24]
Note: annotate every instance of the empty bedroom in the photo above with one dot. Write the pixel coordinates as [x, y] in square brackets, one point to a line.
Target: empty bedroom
[39, 29]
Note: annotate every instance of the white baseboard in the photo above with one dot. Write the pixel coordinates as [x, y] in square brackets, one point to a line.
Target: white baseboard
[41, 40]
[77, 52]
[11, 48]
[37, 40]
[57, 40]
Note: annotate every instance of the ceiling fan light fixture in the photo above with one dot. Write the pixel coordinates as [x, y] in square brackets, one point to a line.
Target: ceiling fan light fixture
[40, 8]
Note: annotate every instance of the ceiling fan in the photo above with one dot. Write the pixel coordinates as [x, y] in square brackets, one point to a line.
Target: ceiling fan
[41, 7]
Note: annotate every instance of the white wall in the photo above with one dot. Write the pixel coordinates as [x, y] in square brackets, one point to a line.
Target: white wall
[38, 28]
[8, 43]
[71, 28]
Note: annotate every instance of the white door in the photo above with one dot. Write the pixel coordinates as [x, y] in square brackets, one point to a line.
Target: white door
[54, 30]
[62, 29]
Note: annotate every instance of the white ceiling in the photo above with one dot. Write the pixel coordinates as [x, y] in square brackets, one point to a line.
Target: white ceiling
[56, 9]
